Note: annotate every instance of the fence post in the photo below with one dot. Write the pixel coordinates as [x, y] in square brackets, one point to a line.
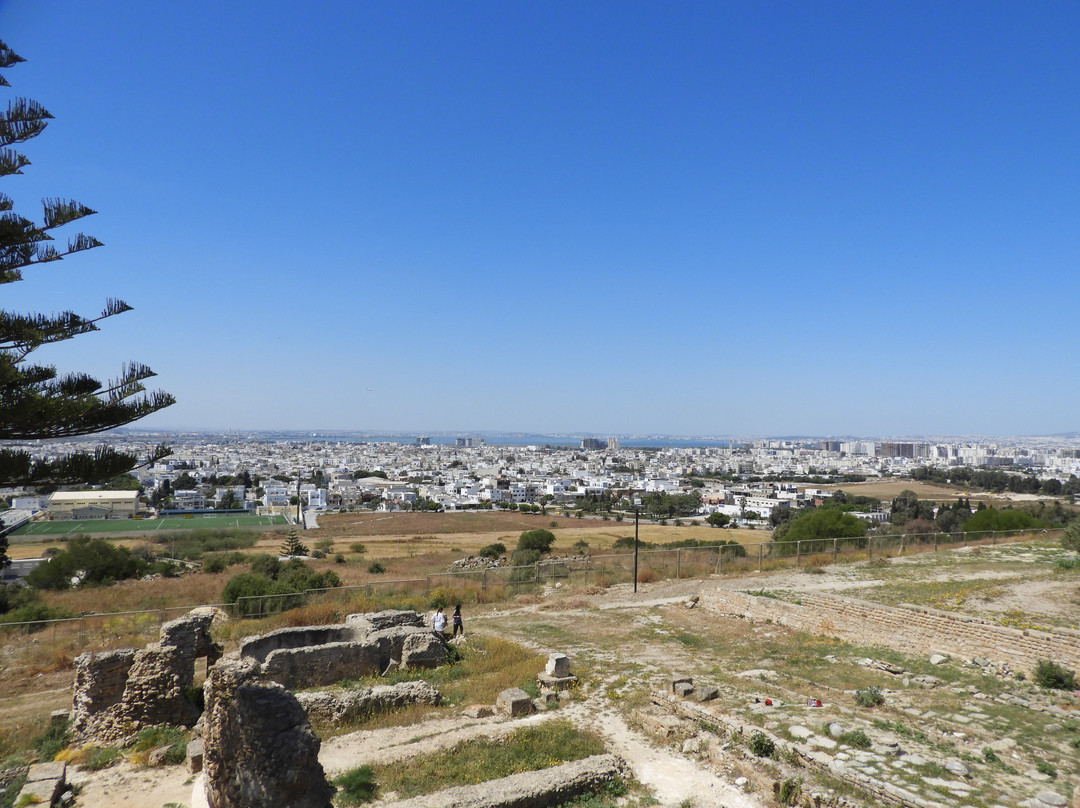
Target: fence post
[678, 563]
[760, 554]
[834, 551]
[798, 553]
[993, 537]
[870, 549]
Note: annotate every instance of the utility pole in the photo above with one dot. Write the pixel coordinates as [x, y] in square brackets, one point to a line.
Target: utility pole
[637, 513]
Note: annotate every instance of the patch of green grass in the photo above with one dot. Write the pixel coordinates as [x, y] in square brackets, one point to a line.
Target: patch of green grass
[1047, 768]
[526, 749]
[56, 738]
[856, 738]
[151, 738]
[356, 786]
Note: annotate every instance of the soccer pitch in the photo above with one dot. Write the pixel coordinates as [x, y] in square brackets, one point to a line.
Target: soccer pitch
[166, 523]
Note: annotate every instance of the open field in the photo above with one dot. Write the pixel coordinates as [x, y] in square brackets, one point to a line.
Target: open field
[95, 527]
[889, 489]
[623, 644]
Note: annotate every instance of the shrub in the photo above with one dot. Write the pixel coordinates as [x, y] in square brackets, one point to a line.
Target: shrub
[538, 539]
[762, 745]
[339, 559]
[1047, 768]
[1051, 675]
[375, 568]
[56, 738]
[871, 697]
[856, 738]
[581, 547]
[358, 547]
[789, 791]
[357, 786]
[266, 565]
[214, 564]
[85, 562]
[151, 738]
[326, 545]
[493, 551]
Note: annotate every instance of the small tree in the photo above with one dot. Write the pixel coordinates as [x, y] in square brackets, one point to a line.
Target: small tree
[292, 546]
[717, 519]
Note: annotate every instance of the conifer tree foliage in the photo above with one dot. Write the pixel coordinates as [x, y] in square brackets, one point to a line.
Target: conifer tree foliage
[37, 402]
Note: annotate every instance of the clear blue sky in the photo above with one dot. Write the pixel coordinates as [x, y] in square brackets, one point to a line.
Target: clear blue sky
[684, 218]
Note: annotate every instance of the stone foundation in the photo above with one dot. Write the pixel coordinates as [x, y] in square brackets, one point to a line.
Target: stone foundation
[912, 629]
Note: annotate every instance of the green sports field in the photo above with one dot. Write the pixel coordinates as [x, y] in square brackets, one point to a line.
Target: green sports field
[166, 523]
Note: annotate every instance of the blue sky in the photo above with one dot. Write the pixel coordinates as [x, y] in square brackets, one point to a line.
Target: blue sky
[683, 218]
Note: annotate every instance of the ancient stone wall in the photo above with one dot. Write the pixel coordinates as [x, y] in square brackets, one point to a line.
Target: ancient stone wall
[260, 647]
[336, 708]
[365, 645]
[259, 748]
[913, 629]
[318, 665]
[117, 693]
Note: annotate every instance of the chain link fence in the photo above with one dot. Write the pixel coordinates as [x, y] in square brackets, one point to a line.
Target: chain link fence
[61, 639]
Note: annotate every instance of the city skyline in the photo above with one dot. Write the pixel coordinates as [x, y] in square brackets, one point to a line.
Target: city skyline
[616, 218]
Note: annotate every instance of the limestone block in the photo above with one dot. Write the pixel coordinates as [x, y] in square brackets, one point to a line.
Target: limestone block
[704, 693]
[195, 755]
[423, 649]
[558, 665]
[683, 689]
[157, 757]
[478, 711]
[513, 702]
[679, 680]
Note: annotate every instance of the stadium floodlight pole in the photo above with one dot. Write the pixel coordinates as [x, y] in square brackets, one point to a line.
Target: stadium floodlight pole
[298, 497]
[637, 512]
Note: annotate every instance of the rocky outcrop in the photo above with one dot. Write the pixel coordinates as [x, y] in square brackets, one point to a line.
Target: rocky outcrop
[259, 748]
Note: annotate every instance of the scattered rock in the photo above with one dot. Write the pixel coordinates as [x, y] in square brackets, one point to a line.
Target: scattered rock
[513, 702]
[938, 659]
[478, 711]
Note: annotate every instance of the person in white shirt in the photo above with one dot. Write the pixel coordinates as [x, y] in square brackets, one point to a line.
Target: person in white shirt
[438, 621]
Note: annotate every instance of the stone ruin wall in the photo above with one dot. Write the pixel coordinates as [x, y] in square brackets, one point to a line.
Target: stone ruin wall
[259, 748]
[906, 628]
[365, 645]
[117, 693]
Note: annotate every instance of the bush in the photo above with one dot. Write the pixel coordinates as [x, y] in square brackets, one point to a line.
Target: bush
[856, 738]
[151, 738]
[1047, 768]
[524, 564]
[358, 547]
[53, 741]
[87, 562]
[762, 745]
[871, 697]
[266, 565]
[789, 791]
[375, 568]
[357, 786]
[539, 539]
[271, 596]
[214, 564]
[493, 551]
[1051, 675]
